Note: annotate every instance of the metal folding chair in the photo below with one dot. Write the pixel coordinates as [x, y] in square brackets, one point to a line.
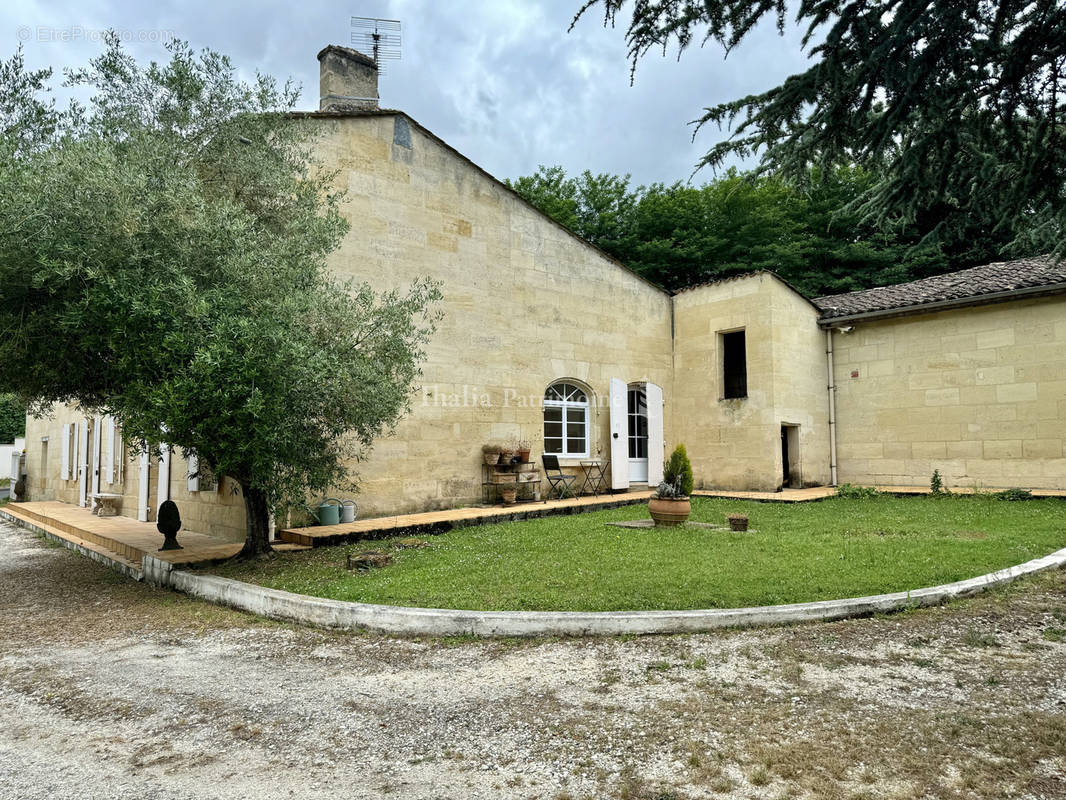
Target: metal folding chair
[561, 483]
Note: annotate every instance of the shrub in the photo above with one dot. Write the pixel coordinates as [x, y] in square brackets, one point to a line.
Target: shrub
[936, 484]
[853, 492]
[1014, 494]
[678, 471]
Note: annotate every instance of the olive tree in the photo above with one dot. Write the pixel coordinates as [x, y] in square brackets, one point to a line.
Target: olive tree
[163, 258]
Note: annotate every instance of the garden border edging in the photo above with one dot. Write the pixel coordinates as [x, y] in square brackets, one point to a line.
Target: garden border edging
[321, 612]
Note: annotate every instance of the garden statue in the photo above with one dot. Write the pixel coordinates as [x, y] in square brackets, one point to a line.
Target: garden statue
[168, 523]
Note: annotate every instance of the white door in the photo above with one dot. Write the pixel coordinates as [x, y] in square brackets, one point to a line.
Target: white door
[163, 492]
[619, 436]
[654, 396]
[142, 487]
[97, 441]
[637, 416]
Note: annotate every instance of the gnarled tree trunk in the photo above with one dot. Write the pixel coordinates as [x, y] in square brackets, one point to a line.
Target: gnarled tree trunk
[257, 522]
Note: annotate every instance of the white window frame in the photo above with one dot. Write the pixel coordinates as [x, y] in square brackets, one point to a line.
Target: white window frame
[566, 405]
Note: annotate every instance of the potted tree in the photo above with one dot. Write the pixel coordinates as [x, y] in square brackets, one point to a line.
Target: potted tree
[671, 505]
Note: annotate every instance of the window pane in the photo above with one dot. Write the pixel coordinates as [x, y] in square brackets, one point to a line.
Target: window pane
[576, 395]
[553, 414]
[575, 445]
[553, 430]
[575, 429]
[575, 414]
[553, 445]
[734, 365]
[554, 392]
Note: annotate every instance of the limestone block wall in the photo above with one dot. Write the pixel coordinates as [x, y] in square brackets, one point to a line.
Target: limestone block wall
[526, 304]
[219, 512]
[736, 443]
[978, 393]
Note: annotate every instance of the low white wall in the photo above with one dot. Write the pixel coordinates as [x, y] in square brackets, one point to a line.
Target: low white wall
[449, 622]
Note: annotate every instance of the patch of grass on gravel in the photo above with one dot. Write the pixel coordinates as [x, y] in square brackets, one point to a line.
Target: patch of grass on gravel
[839, 547]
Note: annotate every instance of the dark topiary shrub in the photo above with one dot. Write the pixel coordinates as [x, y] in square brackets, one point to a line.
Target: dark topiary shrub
[168, 523]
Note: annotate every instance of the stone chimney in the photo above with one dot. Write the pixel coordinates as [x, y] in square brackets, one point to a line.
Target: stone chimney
[348, 80]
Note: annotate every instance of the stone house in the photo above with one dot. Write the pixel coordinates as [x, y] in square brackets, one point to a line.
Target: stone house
[547, 339]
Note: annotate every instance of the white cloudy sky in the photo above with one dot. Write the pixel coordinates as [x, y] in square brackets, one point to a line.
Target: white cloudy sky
[500, 80]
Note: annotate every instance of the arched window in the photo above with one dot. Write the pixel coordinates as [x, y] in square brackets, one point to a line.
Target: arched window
[566, 420]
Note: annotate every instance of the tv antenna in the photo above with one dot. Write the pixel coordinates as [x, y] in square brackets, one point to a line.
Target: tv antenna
[378, 38]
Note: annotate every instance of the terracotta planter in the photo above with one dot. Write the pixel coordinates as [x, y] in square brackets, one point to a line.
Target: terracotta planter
[491, 458]
[669, 512]
[508, 496]
[523, 456]
[738, 523]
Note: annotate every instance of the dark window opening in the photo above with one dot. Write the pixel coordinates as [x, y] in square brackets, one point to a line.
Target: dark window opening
[734, 366]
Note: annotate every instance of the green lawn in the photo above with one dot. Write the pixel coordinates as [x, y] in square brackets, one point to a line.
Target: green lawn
[812, 551]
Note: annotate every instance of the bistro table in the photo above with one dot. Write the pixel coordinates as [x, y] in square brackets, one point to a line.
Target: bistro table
[595, 476]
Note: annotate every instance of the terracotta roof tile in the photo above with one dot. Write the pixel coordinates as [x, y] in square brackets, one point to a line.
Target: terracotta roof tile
[963, 286]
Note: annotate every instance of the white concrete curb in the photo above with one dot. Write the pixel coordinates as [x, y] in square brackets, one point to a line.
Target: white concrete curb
[441, 621]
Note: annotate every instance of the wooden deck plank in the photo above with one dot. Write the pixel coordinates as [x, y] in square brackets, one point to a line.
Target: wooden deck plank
[127, 538]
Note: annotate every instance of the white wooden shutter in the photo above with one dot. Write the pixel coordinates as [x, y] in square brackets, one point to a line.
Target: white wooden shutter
[83, 463]
[619, 435]
[164, 474]
[98, 429]
[120, 456]
[142, 487]
[654, 396]
[193, 462]
[109, 449]
[64, 454]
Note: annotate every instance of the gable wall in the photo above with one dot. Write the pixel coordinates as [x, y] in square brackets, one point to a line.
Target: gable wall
[978, 393]
[526, 303]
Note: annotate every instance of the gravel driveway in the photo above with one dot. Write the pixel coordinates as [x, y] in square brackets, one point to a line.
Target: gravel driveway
[113, 689]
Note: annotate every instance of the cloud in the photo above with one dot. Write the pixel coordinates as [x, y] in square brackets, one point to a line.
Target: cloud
[500, 80]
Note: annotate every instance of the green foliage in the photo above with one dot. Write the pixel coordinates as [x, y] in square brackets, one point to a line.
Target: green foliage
[851, 492]
[955, 108]
[12, 417]
[677, 471]
[681, 235]
[1014, 495]
[799, 552]
[163, 257]
[936, 484]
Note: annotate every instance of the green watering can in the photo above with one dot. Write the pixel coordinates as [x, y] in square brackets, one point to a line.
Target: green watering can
[326, 514]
